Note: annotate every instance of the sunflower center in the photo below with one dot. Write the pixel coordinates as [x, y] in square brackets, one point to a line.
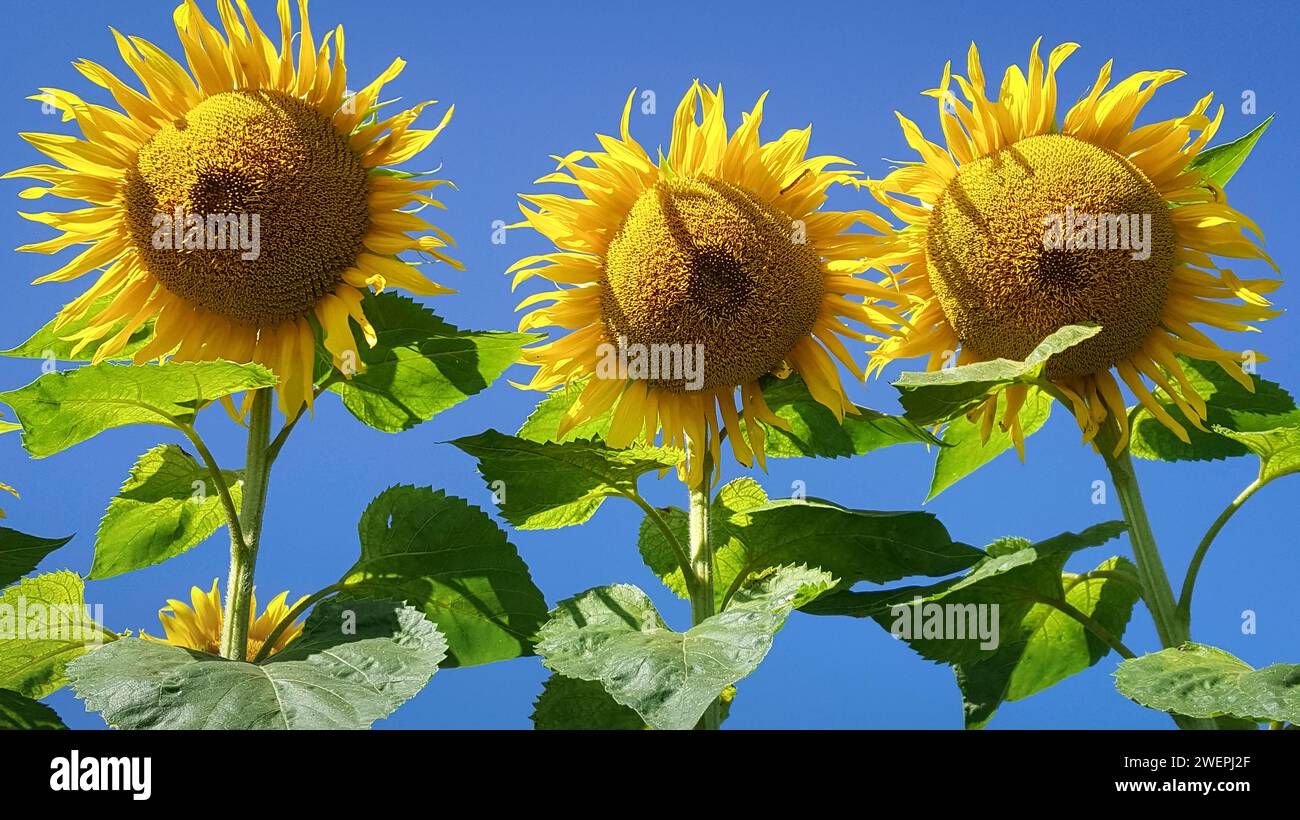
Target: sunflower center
[251, 205]
[1048, 232]
[702, 262]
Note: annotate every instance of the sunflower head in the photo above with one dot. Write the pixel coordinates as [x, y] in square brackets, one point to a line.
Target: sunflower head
[199, 626]
[718, 250]
[1021, 225]
[243, 205]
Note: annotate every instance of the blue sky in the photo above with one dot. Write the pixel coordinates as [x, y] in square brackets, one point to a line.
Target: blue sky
[531, 81]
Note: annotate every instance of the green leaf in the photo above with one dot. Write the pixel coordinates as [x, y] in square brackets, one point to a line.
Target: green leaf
[967, 452]
[570, 704]
[614, 635]
[545, 485]
[1204, 682]
[543, 423]
[751, 535]
[420, 365]
[1016, 575]
[567, 703]
[814, 430]
[18, 712]
[1049, 645]
[941, 395]
[44, 624]
[1278, 449]
[51, 343]
[59, 410]
[167, 505]
[354, 663]
[1228, 405]
[1219, 163]
[449, 560]
[20, 553]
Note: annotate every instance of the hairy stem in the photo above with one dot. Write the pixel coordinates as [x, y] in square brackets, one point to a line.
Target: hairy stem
[1194, 568]
[701, 566]
[1156, 589]
[243, 553]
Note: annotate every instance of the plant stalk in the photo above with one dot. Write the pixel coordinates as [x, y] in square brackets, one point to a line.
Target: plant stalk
[701, 559]
[1157, 592]
[1194, 568]
[243, 551]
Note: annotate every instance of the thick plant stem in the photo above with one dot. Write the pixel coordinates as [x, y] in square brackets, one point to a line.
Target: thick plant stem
[1156, 589]
[1157, 592]
[243, 552]
[701, 558]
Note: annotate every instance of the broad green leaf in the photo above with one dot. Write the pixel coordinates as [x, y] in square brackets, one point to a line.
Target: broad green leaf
[1016, 575]
[814, 430]
[1228, 405]
[1049, 645]
[20, 553]
[59, 410]
[453, 563]
[19, 712]
[545, 485]
[169, 504]
[1221, 162]
[44, 624]
[420, 365]
[941, 395]
[354, 663]
[52, 343]
[1204, 682]
[614, 635]
[751, 535]
[543, 424]
[568, 703]
[1278, 449]
[968, 452]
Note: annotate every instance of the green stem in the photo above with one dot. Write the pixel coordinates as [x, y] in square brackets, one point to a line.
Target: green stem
[701, 566]
[218, 480]
[277, 444]
[294, 614]
[1156, 589]
[243, 552]
[1194, 568]
[679, 550]
[1157, 592]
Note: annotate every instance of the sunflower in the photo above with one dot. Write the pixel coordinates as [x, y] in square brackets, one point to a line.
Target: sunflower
[717, 248]
[984, 273]
[243, 206]
[200, 628]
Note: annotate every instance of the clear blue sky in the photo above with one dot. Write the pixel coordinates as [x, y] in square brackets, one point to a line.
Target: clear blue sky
[530, 81]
